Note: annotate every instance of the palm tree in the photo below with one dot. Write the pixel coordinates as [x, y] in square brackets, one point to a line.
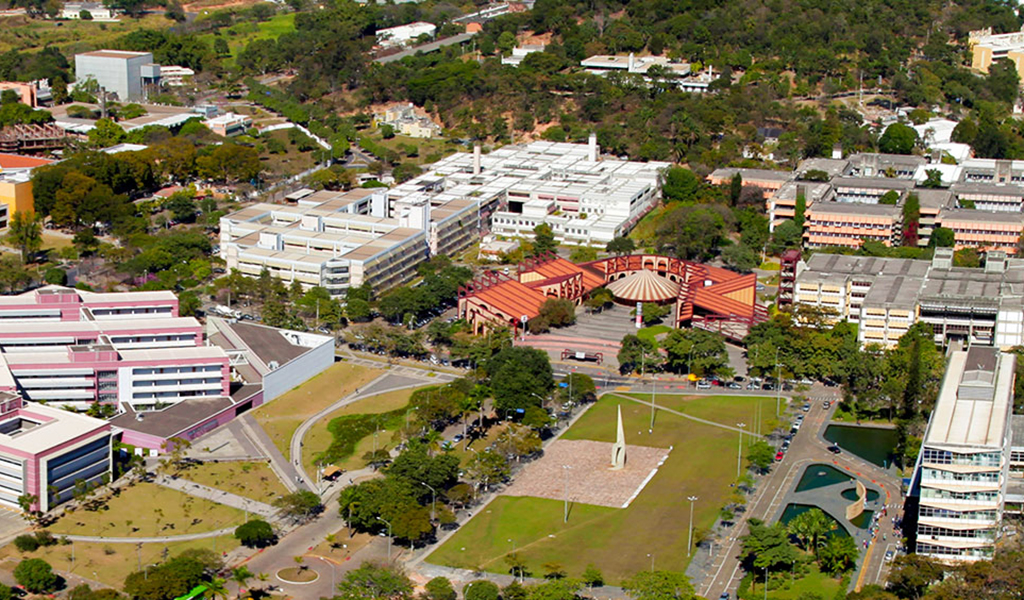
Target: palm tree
[216, 589]
[241, 575]
[820, 526]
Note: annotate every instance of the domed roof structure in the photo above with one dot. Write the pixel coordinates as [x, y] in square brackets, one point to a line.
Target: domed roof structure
[644, 286]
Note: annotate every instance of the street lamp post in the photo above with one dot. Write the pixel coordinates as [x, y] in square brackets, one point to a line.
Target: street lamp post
[651, 556]
[388, 523]
[654, 396]
[433, 499]
[689, 539]
[565, 484]
[739, 450]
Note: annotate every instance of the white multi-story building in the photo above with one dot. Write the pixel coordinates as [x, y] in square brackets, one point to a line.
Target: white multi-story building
[585, 198]
[404, 34]
[963, 467]
[341, 240]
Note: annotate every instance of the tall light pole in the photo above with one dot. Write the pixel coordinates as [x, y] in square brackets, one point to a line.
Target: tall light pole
[433, 499]
[689, 539]
[388, 523]
[651, 556]
[565, 484]
[739, 450]
[654, 396]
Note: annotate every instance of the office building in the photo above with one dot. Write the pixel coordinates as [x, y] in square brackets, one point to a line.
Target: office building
[407, 120]
[340, 240]
[118, 72]
[850, 225]
[962, 470]
[885, 296]
[16, 185]
[986, 48]
[521, 52]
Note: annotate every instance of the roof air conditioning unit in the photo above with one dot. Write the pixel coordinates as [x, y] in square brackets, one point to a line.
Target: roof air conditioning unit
[273, 365]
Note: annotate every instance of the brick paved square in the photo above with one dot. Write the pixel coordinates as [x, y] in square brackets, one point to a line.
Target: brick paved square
[590, 478]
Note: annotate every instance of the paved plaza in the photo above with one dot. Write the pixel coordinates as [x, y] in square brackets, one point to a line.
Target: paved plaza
[590, 479]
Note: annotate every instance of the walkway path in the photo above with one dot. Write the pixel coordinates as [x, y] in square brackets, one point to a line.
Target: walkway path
[184, 537]
[219, 496]
[387, 382]
[686, 416]
[285, 470]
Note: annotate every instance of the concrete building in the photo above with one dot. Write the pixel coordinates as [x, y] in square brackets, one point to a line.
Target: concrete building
[585, 198]
[404, 35]
[45, 452]
[117, 71]
[96, 11]
[16, 185]
[229, 124]
[407, 120]
[850, 225]
[983, 230]
[175, 76]
[338, 240]
[986, 48]
[884, 296]
[521, 52]
[963, 467]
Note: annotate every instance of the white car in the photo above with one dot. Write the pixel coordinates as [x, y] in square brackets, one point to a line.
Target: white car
[703, 385]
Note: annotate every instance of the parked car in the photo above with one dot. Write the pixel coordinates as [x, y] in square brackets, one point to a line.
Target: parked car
[834, 449]
[826, 404]
[779, 455]
[732, 385]
[796, 425]
[889, 556]
[724, 596]
[703, 384]
[807, 406]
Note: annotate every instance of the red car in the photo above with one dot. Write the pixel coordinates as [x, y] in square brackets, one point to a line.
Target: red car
[779, 455]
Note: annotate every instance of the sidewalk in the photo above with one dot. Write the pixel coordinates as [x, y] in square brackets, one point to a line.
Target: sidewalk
[219, 496]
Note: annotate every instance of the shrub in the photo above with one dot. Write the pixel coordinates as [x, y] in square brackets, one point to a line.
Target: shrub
[26, 543]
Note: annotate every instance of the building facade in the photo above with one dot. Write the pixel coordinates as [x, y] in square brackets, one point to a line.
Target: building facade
[116, 71]
[963, 467]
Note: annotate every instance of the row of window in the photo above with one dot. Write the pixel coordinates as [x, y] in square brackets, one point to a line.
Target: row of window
[936, 474]
[945, 457]
[967, 515]
[172, 395]
[948, 495]
[923, 548]
[166, 382]
[980, 534]
[168, 370]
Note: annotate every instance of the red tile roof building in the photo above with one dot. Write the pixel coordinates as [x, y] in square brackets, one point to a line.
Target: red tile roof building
[708, 297]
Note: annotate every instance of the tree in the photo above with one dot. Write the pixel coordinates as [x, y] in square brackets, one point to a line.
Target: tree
[35, 575]
[25, 232]
[638, 354]
[182, 206]
[652, 312]
[215, 588]
[967, 257]
[911, 220]
[811, 527]
[735, 188]
[299, 506]
[761, 454]
[839, 554]
[582, 254]
[558, 312]
[891, 198]
[800, 210]
[577, 388]
[942, 237]
[692, 232]
[480, 589]
[659, 585]
[241, 575]
[375, 582]
[620, 245]
[741, 257]
[554, 589]
[680, 185]
[106, 133]
[518, 375]
[695, 351]
[911, 575]
[439, 588]
[55, 276]
[898, 139]
[933, 179]
[786, 235]
[543, 240]
[592, 577]
[255, 533]
[487, 468]
[229, 163]
[85, 241]
[767, 548]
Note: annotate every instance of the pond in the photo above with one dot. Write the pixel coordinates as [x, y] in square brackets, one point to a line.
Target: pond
[873, 444]
[816, 476]
[851, 494]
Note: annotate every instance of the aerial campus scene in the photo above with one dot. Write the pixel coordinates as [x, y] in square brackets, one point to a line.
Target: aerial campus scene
[517, 300]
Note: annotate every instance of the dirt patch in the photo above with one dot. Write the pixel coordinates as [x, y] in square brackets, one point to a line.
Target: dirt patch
[298, 575]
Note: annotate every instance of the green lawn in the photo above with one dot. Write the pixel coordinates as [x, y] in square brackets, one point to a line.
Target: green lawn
[428, 147]
[652, 332]
[727, 410]
[618, 541]
[240, 34]
[254, 480]
[815, 582]
[25, 34]
[146, 510]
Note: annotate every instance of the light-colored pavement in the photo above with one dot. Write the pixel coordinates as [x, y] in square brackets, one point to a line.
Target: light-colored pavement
[219, 496]
[153, 539]
[285, 470]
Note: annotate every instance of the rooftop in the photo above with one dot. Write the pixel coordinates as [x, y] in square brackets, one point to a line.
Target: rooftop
[975, 402]
[53, 427]
[122, 54]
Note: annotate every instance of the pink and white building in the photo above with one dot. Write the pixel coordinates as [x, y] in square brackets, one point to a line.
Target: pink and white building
[47, 452]
[73, 348]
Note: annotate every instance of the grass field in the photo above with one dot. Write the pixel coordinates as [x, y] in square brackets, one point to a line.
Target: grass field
[711, 408]
[22, 33]
[318, 438]
[281, 417]
[428, 147]
[291, 162]
[254, 480]
[240, 34]
[146, 510]
[644, 232]
[815, 582]
[652, 333]
[52, 241]
[110, 563]
[618, 541]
